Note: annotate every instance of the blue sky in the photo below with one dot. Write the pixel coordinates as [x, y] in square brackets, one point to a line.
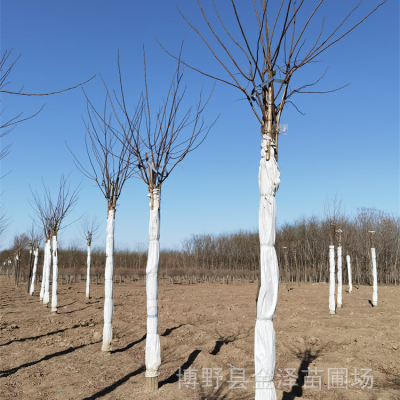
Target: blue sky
[347, 143]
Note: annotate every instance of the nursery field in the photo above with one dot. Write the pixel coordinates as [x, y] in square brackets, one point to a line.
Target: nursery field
[204, 325]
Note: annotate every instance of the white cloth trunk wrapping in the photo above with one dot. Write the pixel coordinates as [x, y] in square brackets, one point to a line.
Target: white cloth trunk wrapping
[46, 297]
[32, 289]
[349, 273]
[43, 270]
[153, 351]
[339, 276]
[108, 283]
[332, 279]
[264, 336]
[55, 276]
[375, 278]
[88, 273]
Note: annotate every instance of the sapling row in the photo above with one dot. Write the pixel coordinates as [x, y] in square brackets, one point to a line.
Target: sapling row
[152, 155]
[51, 213]
[267, 85]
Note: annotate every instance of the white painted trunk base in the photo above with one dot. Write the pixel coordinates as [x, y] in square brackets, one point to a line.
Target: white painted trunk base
[375, 279]
[46, 297]
[55, 276]
[32, 288]
[264, 335]
[153, 351]
[88, 274]
[339, 277]
[43, 271]
[108, 283]
[332, 308]
[349, 273]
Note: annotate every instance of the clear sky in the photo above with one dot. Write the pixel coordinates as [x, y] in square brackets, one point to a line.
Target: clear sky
[346, 144]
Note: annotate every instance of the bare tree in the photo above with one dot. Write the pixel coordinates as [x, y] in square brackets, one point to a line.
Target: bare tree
[212, 257]
[44, 288]
[270, 60]
[34, 238]
[88, 229]
[20, 243]
[110, 167]
[35, 261]
[334, 211]
[157, 152]
[52, 213]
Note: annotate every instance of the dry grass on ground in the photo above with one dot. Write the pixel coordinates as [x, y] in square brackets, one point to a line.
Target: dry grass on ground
[57, 356]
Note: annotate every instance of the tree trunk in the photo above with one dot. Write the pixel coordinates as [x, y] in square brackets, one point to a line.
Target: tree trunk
[46, 297]
[349, 273]
[375, 279]
[153, 356]
[286, 271]
[43, 270]
[30, 266]
[264, 340]
[332, 309]
[34, 271]
[108, 282]
[16, 270]
[339, 277]
[55, 275]
[88, 273]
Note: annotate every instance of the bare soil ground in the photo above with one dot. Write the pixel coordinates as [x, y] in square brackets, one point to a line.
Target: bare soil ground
[206, 325]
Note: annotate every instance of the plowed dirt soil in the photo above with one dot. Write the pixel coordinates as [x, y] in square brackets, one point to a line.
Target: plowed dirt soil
[44, 355]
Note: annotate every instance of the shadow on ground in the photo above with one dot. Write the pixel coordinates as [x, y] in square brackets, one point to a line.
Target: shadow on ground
[116, 384]
[175, 376]
[129, 345]
[39, 336]
[70, 312]
[307, 357]
[45, 358]
[169, 330]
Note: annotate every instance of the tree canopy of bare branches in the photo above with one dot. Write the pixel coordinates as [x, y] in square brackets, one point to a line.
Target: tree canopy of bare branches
[50, 212]
[162, 147]
[110, 161]
[88, 228]
[274, 54]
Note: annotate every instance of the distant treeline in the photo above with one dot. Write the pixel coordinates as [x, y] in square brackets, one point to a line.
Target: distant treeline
[237, 254]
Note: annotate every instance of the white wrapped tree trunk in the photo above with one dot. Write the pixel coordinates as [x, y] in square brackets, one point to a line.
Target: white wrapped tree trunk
[55, 276]
[349, 273]
[32, 289]
[264, 339]
[108, 282]
[375, 278]
[88, 274]
[332, 309]
[153, 353]
[46, 297]
[339, 277]
[43, 270]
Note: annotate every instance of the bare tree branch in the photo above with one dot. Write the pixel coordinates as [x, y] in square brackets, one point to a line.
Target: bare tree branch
[263, 68]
